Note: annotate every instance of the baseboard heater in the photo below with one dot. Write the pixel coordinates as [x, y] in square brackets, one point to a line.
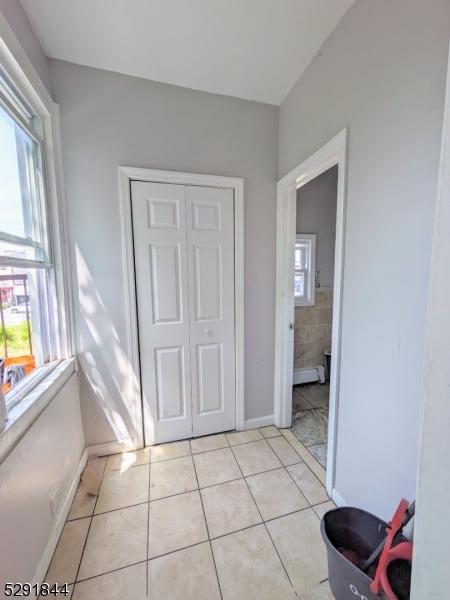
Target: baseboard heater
[309, 375]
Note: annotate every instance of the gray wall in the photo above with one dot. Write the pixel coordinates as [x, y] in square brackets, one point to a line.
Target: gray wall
[110, 120]
[382, 73]
[18, 21]
[316, 213]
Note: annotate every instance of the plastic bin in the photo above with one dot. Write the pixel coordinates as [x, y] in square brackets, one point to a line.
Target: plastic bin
[358, 531]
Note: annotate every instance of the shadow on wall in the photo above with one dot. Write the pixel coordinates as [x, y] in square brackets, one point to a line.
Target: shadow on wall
[104, 367]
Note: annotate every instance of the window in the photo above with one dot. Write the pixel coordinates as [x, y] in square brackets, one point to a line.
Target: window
[26, 311]
[304, 269]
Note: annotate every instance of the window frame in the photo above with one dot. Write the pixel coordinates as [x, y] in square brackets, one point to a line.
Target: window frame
[20, 75]
[309, 298]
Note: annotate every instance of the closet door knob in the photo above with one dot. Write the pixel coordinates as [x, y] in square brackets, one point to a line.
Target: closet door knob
[208, 331]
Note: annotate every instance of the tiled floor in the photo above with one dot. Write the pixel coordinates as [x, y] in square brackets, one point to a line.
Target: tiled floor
[310, 418]
[233, 516]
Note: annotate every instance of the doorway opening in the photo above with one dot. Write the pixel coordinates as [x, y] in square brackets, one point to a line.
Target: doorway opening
[299, 277]
[313, 292]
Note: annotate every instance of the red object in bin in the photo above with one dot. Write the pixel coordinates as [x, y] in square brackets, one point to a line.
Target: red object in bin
[402, 551]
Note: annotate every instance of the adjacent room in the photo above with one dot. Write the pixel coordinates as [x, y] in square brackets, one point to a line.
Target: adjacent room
[314, 267]
[224, 325]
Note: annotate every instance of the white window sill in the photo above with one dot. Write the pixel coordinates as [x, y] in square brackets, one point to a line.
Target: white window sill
[22, 415]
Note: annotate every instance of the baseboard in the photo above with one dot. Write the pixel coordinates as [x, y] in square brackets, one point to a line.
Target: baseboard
[337, 498]
[59, 522]
[109, 448]
[259, 422]
[308, 375]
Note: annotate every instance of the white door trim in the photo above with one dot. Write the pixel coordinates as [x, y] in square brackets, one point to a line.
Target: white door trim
[126, 175]
[332, 153]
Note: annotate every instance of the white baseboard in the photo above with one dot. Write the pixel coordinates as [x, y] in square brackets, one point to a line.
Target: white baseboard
[109, 448]
[59, 522]
[259, 422]
[337, 498]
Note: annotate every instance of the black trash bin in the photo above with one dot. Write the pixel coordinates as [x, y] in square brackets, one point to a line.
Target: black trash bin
[358, 532]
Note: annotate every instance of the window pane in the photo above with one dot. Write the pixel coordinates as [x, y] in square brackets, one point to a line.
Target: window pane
[18, 206]
[301, 255]
[21, 251]
[299, 285]
[20, 334]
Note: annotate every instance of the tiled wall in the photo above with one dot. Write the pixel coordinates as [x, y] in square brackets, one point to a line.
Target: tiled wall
[313, 331]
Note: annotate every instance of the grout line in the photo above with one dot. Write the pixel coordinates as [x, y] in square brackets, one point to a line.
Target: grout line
[207, 530]
[177, 550]
[309, 505]
[89, 530]
[190, 451]
[223, 535]
[187, 547]
[139, 562]
[262, 519]
[314, 458]
[281, 466]
[298, 487]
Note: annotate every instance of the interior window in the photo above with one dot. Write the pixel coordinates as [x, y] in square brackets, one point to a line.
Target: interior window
[304, 269]
[25, 265]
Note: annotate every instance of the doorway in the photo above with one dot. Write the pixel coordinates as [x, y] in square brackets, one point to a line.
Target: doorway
[332, 154]
[313, 297]
[183, 258]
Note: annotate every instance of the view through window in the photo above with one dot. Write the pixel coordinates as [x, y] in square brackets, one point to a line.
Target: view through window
[25, 266]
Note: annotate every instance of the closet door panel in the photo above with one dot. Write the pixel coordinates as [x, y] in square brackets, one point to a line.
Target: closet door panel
[159, 229]
[210, 241]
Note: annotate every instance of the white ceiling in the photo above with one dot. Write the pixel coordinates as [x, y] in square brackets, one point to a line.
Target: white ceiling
[252, 49]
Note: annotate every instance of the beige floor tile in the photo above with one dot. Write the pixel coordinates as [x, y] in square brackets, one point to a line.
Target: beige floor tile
[216, 467]
[185, 575]
[123, 488]
[119, 585]
[306, 455]
[83, 504]
[116, 539]
[284, 451]
[229, 507]
[256, 457]
[276, 494]
[211, 442]
[172, 450]
[242, 437]
[321, 592]
[270, 431]
[300, 546]
[171, 477]
[308, 483]
[175, 523]
[321, 509]
[249, 568]
[65, 561]
[123, 462]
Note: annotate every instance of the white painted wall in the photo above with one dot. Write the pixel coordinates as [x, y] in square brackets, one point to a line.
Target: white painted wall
[431, 566]
[316, 213]
[35, 475]
[110, 120]
[382, 73]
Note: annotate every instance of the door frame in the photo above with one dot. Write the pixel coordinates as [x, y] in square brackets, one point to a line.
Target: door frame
[126, 176]
[332, 153]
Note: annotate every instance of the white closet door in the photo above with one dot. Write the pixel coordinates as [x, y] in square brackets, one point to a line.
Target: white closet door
[210, 235]
[159, 228]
